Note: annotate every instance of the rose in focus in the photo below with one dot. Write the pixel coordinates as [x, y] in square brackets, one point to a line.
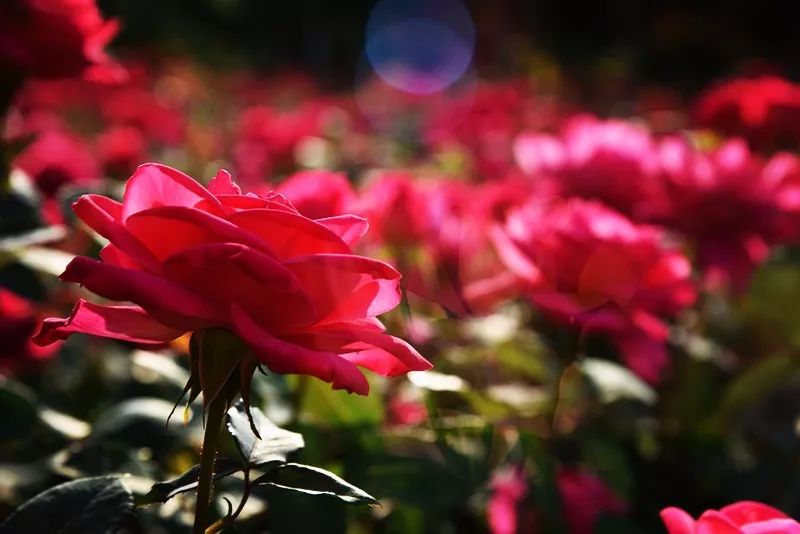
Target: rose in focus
[744, 517]
[190, 258]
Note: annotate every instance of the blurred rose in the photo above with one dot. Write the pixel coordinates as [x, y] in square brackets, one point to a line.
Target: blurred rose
[485, 121]
[318, 193]
[396, 206]
[18, 322]
[467, 277]
[744, 517]
[56, 160]
[191, 258]
[56, 39]
[732, 204]
[142, 108]
[508, 490]
[267, 137]
[584, 499]
[405, 411]
[613, 161]
[590, 267]
[121, 149]
[764, 110]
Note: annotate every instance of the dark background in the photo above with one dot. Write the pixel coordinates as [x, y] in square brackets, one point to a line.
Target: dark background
[683, 44]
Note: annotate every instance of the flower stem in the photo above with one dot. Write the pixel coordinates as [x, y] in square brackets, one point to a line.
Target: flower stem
[205, 481]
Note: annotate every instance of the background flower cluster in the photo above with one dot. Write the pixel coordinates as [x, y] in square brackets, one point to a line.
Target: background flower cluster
[608, 296]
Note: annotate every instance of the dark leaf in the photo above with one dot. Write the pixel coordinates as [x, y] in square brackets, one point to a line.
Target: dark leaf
[86, 506]
[275, 443]
[314, 481]
[164, 491]
[20, 415]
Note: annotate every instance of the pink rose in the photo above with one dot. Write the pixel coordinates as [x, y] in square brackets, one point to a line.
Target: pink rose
[613, 161]
[508, 490]
[743, 517]
[590, 267]
[56, 39]
[732, 204]
[317, 194]
[395, 204]
[190, 258]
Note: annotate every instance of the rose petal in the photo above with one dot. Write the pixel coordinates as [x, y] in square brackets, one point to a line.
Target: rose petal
[231, 272]
[223, 184]
[350, 228]
[677, 521]
[377, 351]
[168, 302]
[289, 235]
[187, 227]
[713, 522]
[744, 512]
[345, 287]
[126, 323]
[102, 215]
[287, 358]
[158, 185]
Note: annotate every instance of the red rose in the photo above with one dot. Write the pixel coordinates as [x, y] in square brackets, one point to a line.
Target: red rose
[191, 258]
[56, 159]
[121, 149]
[56, 39]
[765, 110]
[744, 517]
[17, 325]
[318, 194]
[591, 267]
[585, 498]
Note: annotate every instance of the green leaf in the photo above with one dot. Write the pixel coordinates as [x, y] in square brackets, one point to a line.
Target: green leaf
[164, 491]
[751, 386]
[17, 404]
[86, 506]
[273, 446]
[327, 407]
[314, 481]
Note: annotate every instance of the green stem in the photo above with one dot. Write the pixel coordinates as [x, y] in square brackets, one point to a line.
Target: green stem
[205, 481]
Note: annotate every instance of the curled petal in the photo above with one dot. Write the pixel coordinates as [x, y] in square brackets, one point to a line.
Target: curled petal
[287, 358]
[223, 184]
[102, 215]
[231, 272]
[158, 185]
[677, 521]
[373, 350]
[187, 227]
[126, 323]
[166, 301]
[345, 287]
[744, 512]
[289, 234]
[713, 522]
[348, 227]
